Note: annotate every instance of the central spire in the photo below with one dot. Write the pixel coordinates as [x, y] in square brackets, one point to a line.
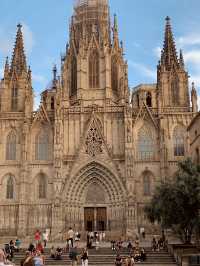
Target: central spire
[91, 2]
[91, 18]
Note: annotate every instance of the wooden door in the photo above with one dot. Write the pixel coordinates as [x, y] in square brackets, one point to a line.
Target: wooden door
[101, 219]
[89, 219]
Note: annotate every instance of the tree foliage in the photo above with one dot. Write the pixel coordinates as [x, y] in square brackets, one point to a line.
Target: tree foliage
[176, 203]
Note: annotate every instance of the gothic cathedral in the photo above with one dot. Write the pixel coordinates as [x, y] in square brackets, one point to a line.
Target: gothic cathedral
[91, 156]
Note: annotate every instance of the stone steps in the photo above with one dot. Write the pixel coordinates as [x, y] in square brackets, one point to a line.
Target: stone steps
[106, 257]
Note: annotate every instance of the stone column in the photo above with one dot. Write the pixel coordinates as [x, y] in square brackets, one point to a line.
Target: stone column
[57, 221]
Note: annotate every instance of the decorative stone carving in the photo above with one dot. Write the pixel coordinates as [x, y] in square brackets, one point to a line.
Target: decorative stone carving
[93, 141]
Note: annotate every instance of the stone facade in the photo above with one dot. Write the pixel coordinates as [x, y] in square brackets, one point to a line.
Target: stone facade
[91, 156]
[194, 136]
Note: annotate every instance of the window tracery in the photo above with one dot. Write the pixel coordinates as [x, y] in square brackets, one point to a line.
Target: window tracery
[147, 184]
[14, 99]
[93, 141]
[179, 141]
[43, 146]
[10, 187]
[11, 147]
[146, 144]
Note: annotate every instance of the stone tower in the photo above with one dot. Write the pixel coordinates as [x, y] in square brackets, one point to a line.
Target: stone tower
[172, 77]
[94, 63]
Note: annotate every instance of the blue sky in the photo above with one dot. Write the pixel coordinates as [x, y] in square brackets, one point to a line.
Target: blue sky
[141, 26]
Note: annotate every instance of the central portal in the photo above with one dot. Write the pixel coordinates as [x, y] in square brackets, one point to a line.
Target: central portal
[95, 219]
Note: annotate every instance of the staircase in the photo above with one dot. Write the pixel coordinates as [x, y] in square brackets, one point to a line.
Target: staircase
[106, 257]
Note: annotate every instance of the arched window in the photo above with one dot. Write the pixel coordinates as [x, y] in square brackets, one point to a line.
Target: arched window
[94, 69]
[179, 141]
[147, 184]
[73, 76]
[175, 91]
[10, 187]
[42, 186]
[11, 144]
[146, 144]
[42, 146]
[149, 99]
[14, 99]
[114, 73]
[52, 103]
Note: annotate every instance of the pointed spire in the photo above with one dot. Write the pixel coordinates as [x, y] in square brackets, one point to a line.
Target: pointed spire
[169, 55]
[115, 33]
[193, 92]
[19, 59]
[6, 68]
[181, 60]
[115, 23]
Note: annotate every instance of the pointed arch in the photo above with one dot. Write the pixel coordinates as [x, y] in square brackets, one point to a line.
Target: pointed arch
[175, 91]
[179, 140]
[42, 186]
[95, 173]
[73, 76]
[10, 187]
[43, 146]
[146, 144]
[146, 184]
[94, 69]
[14, 98]
[149, 99]
[11, 144]
[114, 73]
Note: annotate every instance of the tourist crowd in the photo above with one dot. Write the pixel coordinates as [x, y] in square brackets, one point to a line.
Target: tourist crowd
[34, 255]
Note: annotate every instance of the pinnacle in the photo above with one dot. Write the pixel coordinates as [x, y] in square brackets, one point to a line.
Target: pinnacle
[19, 59]
[169, 54]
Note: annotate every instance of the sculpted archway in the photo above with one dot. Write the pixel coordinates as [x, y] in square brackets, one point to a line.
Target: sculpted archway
[96, 194]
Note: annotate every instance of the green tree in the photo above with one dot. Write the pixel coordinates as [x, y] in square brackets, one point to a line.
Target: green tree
[176, 203]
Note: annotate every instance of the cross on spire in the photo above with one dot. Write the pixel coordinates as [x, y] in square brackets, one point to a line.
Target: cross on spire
[19, 59]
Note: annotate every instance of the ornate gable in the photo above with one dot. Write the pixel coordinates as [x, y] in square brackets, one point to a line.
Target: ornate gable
[93, 140]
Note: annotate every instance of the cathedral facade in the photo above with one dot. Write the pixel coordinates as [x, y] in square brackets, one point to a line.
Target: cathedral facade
[91, 156]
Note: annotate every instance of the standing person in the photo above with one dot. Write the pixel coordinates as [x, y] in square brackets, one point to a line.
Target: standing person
[84, 257]
[45, 238]
[71, 236]
[142, 232]
[73, 255]
[37, 236]
[17, 244]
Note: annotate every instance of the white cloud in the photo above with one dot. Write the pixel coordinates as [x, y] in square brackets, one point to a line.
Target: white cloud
[188, 40]
[29, 40]
[39, 78]
[145, 70]
[192, 56]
